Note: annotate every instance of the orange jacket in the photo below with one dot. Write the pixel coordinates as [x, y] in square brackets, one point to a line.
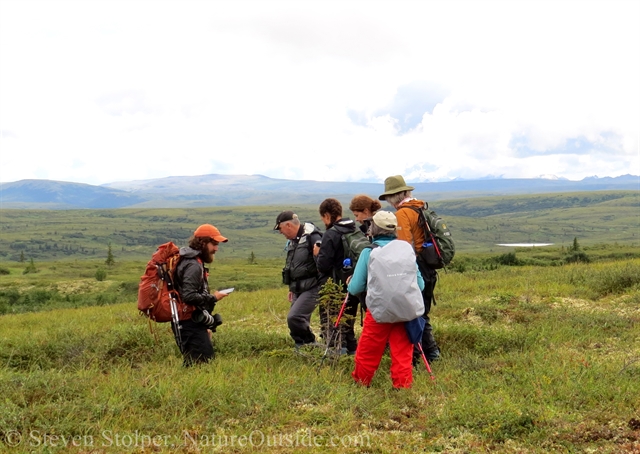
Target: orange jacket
[409, 228]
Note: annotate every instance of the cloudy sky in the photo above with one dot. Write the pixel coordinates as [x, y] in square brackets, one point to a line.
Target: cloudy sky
[100, 91]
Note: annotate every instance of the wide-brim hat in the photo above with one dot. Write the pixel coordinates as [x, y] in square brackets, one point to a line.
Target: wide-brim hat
[393, 185]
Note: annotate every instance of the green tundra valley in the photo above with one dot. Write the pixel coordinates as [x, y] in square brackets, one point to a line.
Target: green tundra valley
[540, 345]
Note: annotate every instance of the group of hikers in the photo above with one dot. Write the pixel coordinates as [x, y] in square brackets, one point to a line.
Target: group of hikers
[387, 273]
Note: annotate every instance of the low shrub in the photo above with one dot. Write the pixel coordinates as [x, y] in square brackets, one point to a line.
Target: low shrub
[577, 257]
[39, 297]
[10, 296]
[106, 298]
[507, 259]
[101, 274]
[129, 288]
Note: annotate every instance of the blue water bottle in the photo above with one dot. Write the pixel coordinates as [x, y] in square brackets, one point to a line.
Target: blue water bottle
[346, 264]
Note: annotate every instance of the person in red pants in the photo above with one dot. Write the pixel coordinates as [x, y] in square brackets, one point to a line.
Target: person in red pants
[375, 336]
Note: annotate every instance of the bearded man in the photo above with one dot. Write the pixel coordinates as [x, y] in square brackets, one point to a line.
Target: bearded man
[191, 282]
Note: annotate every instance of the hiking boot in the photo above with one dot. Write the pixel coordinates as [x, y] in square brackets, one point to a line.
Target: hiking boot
[433, 355]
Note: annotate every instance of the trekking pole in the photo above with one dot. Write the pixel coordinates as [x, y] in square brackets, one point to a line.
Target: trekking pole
[426, 363]
[175, 318]
[335, 328]
[164, 274]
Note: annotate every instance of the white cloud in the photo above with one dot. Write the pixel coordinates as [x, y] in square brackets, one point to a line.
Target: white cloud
[102, 91]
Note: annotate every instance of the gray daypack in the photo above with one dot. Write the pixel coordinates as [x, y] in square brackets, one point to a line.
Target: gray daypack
[393, 294]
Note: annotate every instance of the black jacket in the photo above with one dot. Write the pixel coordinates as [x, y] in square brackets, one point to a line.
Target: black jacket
[190, 279]
[300, 271]
[331, 253]
[364, 227]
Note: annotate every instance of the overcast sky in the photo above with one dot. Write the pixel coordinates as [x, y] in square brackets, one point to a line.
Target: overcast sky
[96, 92]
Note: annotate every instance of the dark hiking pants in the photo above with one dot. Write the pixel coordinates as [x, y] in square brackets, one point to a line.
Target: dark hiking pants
[196, 344]
[429, 345]
[299, 316]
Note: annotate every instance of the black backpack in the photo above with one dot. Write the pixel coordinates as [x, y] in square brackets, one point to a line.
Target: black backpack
[438, 249]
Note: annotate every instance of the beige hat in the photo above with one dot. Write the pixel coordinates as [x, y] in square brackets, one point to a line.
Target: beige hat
[393, 185]
[385, 220]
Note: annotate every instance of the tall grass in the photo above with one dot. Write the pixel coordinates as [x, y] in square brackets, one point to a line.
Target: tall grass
[72, 284]
[530, 363]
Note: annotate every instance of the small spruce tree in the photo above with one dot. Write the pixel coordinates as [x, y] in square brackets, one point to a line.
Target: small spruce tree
[330, 299]
[31, 268]
[575, 247]
[110, 260]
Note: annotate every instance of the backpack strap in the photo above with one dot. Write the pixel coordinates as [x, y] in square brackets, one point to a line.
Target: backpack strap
[422, 219]
[167, 270]
[345, 246]
[363, 296]
[310, 243]
[205, 270]
[428, 233]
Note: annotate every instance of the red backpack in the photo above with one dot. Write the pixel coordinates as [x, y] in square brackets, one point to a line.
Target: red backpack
[156, 290]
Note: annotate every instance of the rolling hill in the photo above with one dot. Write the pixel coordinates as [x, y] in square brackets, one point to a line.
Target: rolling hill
[250, 190]
[47, 194]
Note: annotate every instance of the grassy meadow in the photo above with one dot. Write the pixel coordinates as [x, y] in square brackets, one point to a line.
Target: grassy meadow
[540, 347]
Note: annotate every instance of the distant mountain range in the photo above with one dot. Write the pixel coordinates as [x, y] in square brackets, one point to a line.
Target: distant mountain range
[230, 190]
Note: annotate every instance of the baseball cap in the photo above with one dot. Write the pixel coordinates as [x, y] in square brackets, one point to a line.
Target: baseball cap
[284, 217]
[385, 220]
[210, 231]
